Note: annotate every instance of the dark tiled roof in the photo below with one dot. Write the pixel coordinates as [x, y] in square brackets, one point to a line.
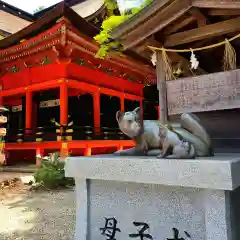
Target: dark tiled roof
[4, 33]
[33, 17]
[70, 3]
[47, 21]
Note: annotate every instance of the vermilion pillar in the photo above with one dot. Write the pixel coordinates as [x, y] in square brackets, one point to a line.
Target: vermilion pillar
[96, 110]
[63, 104]
[122, 103]
[28, 123]
[87, 151]
[158, 109]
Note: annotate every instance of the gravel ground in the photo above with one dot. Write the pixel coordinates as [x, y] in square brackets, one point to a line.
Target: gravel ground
[10, 175]
[26, 215]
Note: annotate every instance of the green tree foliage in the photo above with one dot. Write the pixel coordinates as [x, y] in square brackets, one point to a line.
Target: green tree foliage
[39, 9]
[107, 45]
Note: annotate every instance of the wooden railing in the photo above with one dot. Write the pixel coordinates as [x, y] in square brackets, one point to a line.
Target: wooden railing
[53, 133]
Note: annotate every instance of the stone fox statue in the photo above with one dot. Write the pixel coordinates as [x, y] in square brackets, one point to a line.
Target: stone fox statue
[173, 146]
[146, 134]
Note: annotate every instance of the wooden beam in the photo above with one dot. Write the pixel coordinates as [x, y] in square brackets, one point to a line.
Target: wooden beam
[178, 25]
[202, 20]
[155, 23]
[162, 89]
[137, 19]
[175, 57]
[208, 31]
[216, 4]
[236, 42]
[223, 12]
[200, 43]
[206, 42]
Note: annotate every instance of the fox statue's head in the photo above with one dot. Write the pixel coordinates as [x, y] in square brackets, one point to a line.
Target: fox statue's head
[130, 123]
[162, 133]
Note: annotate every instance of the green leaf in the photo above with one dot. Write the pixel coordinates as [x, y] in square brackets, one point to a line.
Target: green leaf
[52, 173]
[111, 4]
[107, 45]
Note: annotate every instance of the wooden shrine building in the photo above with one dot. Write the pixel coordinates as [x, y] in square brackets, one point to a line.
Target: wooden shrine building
[175, 32]
[12, 19]
[60, 96]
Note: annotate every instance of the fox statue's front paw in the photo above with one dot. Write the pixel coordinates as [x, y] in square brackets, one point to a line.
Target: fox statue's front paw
[160, 156]
[130, 152]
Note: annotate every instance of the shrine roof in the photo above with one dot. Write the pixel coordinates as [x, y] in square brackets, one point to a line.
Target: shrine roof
[89, 8]
[16, 11]
[47, 21]
[182, 24]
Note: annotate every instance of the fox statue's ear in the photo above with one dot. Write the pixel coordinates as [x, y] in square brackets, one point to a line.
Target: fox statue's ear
[138, 112]
[119, 116]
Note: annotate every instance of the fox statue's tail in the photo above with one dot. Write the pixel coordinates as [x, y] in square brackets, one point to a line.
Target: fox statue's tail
[191, 130]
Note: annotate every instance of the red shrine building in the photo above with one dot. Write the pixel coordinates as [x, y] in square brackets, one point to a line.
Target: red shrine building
[60, 97]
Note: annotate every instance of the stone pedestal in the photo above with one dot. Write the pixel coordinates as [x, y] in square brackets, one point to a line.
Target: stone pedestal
[146, 198]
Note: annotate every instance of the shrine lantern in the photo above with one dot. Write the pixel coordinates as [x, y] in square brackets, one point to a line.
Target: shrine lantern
[126, 5]
[3, 120]
[3, 132]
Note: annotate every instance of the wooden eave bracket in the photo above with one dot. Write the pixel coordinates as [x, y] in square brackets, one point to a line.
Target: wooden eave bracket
[223, 12]
[180, 23]
[133, 22]
[208, 31]
[162, 13]
[216, 4]
[155, 23]
[202, 20]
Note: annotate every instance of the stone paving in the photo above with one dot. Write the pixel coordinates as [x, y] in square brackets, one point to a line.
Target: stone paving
[27, 215]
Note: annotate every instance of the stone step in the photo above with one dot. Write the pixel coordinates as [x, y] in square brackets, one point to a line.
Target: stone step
[19, 169]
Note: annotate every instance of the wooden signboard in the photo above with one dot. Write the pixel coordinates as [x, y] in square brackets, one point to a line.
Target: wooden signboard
[209, 92]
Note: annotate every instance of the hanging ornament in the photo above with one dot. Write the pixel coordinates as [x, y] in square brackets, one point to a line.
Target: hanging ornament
[229, 60]
[167, 65]
[193, 60]
[154, 59]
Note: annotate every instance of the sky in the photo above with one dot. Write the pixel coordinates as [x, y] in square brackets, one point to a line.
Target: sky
[31, 5]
